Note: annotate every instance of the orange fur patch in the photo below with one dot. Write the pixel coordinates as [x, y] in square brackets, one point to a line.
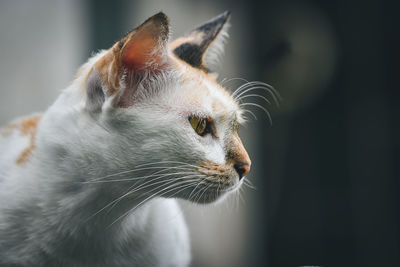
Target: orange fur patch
[7, 130]
[181, 63]
[236, 151]
[28, 127]
[213, 170]
[177, 43]
[219, 107]
[213, 167]
[109, 70]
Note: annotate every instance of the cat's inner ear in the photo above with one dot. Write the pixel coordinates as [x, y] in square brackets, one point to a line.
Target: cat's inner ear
[145, 48]
[204, 44]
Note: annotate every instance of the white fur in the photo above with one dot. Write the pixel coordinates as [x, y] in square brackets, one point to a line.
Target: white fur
[216, 50]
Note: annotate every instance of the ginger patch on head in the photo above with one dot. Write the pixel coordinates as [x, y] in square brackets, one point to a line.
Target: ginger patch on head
[212, 169]
[28, 127]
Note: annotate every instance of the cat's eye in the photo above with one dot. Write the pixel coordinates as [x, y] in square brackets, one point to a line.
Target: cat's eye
[202, 126]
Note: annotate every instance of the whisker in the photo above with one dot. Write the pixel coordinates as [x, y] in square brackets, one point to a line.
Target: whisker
[261, 107]
[254, 95]
[187, 186]
[242, 87]
[158, 182]
[219, 185]
[251, 113]
[176, 182]
[194, 189]
[130, 179]
[166, 162]
[275, 97]
[142, 202]
[135, 170]
[241, 198]
[205, 189]
[129, 191]
[237, 201]
[163, 182]
[257, 85]
[196, 199]
[249, 184]
[225, 80]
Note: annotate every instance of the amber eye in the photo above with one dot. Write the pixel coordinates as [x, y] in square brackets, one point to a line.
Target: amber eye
[200, 125]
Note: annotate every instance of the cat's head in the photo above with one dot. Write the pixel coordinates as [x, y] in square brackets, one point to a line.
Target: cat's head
[171, 124]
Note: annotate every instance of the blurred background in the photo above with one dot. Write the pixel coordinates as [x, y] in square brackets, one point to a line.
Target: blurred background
[326, 172]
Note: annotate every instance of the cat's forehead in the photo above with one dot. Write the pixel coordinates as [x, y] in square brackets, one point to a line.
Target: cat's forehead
[202, 93]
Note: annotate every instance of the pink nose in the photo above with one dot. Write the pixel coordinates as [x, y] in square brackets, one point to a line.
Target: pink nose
[242, 168]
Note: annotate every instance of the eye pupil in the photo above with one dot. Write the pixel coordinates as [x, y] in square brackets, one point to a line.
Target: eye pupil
[201, 126]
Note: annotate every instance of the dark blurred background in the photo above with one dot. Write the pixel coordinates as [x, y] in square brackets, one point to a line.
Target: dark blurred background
[326, 172]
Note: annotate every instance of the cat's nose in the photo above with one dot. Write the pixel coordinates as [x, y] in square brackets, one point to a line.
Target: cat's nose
[242, 168]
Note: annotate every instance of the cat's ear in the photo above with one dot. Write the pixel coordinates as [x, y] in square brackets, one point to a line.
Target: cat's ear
[145, 48]
[140, 54]
[204, 44]
[143, 52]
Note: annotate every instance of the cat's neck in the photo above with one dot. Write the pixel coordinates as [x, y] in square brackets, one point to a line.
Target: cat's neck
[79, 204]
[86, 217]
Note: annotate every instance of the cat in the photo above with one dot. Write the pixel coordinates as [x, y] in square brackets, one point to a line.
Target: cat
[93, 181]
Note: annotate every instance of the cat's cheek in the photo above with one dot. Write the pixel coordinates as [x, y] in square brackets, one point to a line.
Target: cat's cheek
[213, 150]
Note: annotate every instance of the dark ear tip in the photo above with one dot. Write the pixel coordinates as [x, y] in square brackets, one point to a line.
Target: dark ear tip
[216, 23]
[223, 17]
[160, 18]
[227, 14]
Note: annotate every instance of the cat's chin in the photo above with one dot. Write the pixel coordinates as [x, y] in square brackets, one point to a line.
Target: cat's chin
[214, 194]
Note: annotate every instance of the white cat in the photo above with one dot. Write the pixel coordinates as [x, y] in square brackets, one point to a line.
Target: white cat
[93, 180]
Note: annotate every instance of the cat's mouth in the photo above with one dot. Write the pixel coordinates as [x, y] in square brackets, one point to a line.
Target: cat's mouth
[216, 182]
